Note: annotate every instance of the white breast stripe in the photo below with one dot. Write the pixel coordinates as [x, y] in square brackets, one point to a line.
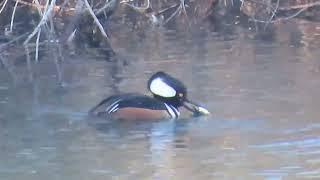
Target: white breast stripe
[160, 88]
[174, 113]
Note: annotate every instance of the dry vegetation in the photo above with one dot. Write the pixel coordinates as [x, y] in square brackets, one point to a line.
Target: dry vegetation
[35, 22]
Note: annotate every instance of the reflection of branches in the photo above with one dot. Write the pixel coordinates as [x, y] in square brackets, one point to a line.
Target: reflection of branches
[16, 39]
[8, 67]
[29, 65]
[56, 53]
[37, 46]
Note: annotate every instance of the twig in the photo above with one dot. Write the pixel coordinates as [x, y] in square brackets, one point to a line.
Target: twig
[108, 8]
[181, 8]
[172, 15]
[257, 2]
[63, 6]
[285, 18]
[273, 14]
[167, 9]
[44, 19]
[295, 14]
[41, 9]
[308, 5]
[3, 6]
[274, 10]
[139, 9]
[13, 15]
[38, 6]
[96, 20]
[71, 27]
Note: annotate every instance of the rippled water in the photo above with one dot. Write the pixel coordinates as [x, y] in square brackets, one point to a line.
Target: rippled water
[263, 95]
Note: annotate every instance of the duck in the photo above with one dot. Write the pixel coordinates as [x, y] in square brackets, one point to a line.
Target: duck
[168, 96]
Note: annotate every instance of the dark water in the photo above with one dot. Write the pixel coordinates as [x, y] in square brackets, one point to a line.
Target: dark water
[263, 95]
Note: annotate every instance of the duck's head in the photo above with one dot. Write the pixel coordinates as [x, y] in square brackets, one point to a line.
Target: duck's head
[173, 92]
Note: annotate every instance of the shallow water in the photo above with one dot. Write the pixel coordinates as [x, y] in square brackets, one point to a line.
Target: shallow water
[263, 95]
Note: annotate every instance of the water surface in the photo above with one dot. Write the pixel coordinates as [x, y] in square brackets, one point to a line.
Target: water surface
[263, 95]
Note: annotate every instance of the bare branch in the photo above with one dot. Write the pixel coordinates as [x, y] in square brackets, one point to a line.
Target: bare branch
[96, 20]
[44, 20]
[3, 6]
[13, 15]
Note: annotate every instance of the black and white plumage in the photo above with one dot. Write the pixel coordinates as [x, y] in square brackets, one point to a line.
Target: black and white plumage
[169, 94]
[135, 106]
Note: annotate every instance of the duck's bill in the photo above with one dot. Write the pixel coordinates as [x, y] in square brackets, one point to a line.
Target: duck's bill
[195, 108]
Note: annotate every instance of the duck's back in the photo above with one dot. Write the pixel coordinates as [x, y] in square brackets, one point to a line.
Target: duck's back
[134, 107]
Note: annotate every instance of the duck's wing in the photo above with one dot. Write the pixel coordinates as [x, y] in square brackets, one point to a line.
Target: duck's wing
[104, 106]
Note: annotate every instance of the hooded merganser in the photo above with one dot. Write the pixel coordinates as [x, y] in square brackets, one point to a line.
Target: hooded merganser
[168, 95]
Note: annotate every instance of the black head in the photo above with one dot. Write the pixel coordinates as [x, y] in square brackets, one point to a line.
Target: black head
[167, 89]
[172, 91]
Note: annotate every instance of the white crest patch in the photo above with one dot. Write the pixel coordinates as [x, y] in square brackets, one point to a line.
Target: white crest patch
[160, 88]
